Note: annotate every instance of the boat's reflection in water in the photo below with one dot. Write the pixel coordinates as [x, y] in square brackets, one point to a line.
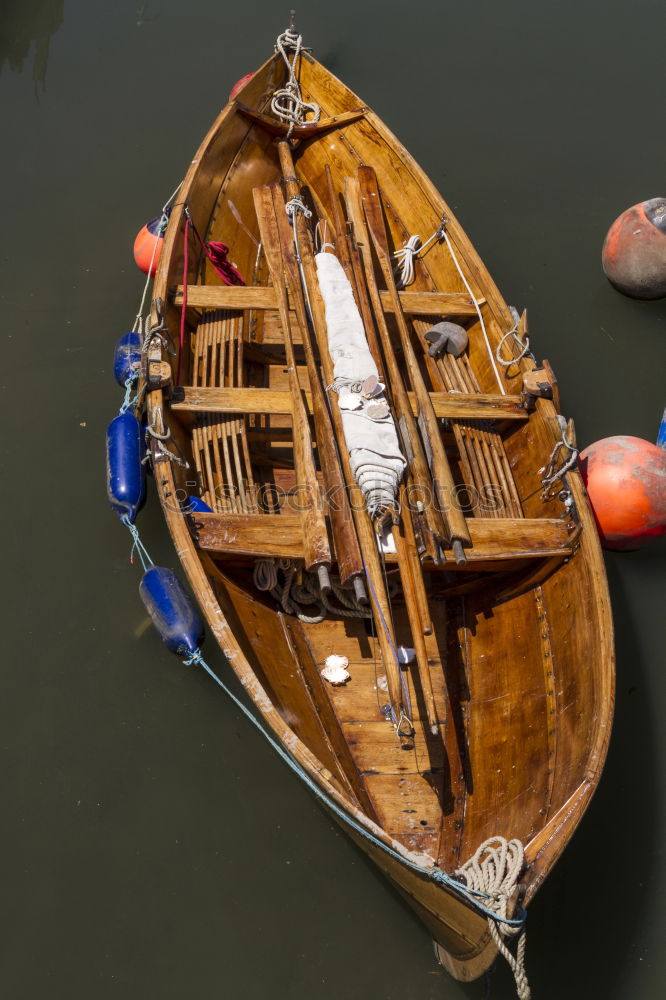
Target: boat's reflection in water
[25, 22]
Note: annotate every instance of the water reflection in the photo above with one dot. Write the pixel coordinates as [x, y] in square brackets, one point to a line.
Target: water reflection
[24, 22]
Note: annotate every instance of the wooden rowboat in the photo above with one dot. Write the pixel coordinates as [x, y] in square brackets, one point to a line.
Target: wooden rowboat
[499, 725]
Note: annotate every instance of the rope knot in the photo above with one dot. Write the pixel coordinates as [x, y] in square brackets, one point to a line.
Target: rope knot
[287, 104]
[289, 40]
[296, 205]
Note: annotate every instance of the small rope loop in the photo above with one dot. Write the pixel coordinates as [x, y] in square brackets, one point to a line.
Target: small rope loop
[162, 436]
[295, 205]
[151, 426]
[159, 331]
[404, 727]
[523, 344]
[265, 574]
[195, 659]
[320, 237]
[551, 473]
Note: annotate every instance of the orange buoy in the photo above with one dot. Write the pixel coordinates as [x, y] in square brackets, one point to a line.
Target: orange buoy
[144, 245]
[626, 483]
[634, 251]
[238, 86]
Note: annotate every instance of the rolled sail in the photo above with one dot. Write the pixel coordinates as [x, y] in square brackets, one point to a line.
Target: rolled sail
[369, 428]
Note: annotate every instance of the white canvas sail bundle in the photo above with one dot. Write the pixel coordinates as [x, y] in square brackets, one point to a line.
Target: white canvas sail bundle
[369, 428]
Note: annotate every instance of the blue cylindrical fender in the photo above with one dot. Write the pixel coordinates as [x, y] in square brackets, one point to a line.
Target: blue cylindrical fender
[171, 610]
[126, 357]
[125, 473]
[195, 505]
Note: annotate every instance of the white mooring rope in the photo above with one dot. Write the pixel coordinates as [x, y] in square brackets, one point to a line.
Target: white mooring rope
[494, 871]
[287, 104]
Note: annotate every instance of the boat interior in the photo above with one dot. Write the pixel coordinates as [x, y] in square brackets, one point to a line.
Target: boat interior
[505, 690]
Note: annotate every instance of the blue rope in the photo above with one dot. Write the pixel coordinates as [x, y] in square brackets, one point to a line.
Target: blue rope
[128, 402]
[472, 896]
[137, 544]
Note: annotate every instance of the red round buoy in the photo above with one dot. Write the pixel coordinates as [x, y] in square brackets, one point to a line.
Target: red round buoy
[238, 86]
[144, 245]
[626, 483]
[634, 251]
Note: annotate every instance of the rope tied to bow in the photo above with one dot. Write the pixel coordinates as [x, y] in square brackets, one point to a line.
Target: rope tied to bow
[493, 872]
[287, 103]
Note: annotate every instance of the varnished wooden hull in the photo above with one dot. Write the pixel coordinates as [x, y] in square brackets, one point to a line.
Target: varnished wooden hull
[524, 687]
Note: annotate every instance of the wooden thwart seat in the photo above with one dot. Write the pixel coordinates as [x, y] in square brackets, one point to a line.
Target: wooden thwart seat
[455, 406]
[278, 536]
[263, 297]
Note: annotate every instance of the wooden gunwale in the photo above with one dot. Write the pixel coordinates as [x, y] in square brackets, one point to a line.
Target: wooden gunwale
[461, 930]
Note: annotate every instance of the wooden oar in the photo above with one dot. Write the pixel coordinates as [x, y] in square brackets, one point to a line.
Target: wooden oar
[317, 550]
[366, 534]
[409, 564]
[345, 542]
[457, 530]
[420, 480]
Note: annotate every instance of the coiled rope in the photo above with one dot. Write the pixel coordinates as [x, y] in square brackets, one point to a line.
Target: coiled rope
[494, 871]
[403, 272]
[287, 104]
[301, 589]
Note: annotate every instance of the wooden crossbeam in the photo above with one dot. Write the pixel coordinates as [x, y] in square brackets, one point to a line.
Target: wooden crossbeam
[263, 297]
[281, 535]
[305, 131]
[454, 405]
[278, 536]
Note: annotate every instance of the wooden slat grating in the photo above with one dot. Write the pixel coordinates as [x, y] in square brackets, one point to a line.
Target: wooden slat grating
[483, 458]
[219, 442]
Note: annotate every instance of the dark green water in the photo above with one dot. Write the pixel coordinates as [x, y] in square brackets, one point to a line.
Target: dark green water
[152, 847]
